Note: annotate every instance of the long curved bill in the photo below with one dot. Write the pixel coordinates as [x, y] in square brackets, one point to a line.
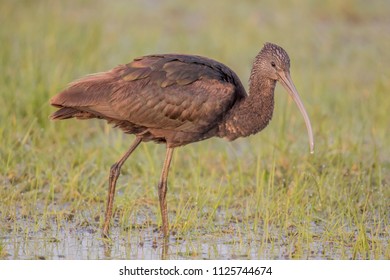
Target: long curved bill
[288, 84]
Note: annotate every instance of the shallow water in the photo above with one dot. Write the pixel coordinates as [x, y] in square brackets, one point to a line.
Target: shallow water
[69, 240]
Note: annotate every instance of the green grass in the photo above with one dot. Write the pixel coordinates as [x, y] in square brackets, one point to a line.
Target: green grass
[260, 197]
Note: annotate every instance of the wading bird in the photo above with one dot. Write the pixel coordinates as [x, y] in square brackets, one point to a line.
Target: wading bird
[176, 100]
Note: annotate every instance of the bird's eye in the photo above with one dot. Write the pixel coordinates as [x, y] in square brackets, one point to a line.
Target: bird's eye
[273, 64]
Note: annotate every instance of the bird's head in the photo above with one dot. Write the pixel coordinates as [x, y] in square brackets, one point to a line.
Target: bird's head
[273, 63]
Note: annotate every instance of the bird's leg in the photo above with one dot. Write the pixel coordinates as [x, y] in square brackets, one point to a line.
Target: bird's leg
[114, 174]
[162, 191]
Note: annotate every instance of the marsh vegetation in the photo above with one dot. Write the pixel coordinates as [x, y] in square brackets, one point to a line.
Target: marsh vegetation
[262, 197]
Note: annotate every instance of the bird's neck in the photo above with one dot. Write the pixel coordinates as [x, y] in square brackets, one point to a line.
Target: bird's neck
[252, 113]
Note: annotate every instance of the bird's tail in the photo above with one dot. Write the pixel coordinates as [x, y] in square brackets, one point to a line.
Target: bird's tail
[86, 98]
[67, 113]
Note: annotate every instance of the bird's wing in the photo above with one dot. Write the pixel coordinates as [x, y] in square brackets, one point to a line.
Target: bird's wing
[172, 92]
[186, 93]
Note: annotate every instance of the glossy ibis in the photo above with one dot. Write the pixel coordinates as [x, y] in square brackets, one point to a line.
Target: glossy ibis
[178, 99]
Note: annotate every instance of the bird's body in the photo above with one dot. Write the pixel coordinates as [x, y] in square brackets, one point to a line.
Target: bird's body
[178, 99]
[173, 99]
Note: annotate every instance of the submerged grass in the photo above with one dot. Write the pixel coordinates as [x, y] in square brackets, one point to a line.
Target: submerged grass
[260, 197]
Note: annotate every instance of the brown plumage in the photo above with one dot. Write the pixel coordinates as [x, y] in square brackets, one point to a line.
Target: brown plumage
[178, 99]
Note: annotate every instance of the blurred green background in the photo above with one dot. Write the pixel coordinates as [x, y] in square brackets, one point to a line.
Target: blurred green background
[266, 189]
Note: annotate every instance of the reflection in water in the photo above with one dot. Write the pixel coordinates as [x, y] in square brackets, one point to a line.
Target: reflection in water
[164, 248]
[161, 244]
[107, 249]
